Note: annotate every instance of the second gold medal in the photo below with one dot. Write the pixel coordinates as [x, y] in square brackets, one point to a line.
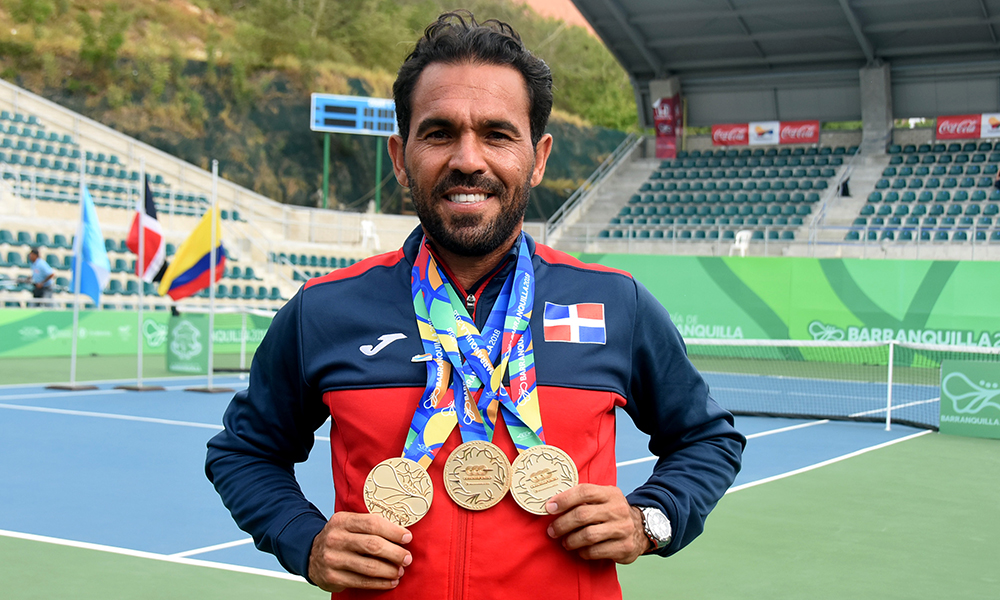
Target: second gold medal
[477, 475]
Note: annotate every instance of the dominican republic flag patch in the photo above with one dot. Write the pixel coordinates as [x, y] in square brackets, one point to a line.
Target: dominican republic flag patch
[575, 323]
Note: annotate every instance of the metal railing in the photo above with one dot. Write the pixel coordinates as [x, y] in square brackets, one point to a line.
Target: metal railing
[575, 202]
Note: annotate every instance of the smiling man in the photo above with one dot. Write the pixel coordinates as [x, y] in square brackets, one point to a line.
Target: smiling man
[472, 377]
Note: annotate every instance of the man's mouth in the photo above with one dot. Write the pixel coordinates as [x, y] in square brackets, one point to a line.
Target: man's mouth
[466, 198]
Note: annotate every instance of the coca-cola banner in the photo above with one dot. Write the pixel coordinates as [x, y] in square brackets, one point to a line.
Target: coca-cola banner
[958, 127]
[730, 135]
[667, 119]
[766, 133]
[799, 132]
[989, 126]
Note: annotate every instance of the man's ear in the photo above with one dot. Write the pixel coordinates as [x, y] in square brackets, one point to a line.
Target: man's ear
[395, 145]
[542, 150]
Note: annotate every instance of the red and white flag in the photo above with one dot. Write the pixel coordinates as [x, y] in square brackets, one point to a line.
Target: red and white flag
[154, 245]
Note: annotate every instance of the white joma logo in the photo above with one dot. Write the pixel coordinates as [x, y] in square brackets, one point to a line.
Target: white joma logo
[384, 340]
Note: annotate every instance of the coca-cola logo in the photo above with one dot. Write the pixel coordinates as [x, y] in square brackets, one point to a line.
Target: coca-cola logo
[729, 135]
[965, 126]
[800, 132]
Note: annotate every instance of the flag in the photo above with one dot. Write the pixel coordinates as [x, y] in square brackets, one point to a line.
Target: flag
[88, 248]
[155, 251]
[574, 323]
[189, 272]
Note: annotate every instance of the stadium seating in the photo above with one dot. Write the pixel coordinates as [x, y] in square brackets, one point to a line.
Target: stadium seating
[951, 187]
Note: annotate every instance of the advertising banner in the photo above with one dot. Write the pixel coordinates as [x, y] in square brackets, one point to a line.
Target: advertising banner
[46, 333]
[187, 344]
[667, 119]
[989, 125]
[958, 127]
[765, 133]
[733, 134]
[970, 398]
[948, 303]
[799, 132]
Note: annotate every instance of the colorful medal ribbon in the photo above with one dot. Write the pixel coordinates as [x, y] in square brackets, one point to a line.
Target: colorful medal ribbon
[447, 378]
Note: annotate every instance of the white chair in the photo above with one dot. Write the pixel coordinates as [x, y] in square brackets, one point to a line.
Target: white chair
[368, 235]
[741, 242]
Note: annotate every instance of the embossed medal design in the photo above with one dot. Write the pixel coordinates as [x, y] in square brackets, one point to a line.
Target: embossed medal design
[400, 490]
[541, 472]
[477, 475]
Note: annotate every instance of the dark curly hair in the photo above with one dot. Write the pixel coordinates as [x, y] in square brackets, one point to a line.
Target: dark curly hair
[457, 37]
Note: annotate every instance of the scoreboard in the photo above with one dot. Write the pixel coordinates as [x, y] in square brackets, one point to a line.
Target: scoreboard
[332, 113]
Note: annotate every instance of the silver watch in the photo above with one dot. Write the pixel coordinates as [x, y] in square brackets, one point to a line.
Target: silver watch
[657, 527]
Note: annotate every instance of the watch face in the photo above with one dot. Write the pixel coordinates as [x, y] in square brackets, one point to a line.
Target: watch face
[658, 525]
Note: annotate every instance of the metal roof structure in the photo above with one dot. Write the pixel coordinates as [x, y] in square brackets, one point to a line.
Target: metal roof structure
[788, 59]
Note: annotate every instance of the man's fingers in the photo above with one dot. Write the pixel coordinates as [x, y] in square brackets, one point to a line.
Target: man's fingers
[374, 525]
[585, 493]
[357, 550]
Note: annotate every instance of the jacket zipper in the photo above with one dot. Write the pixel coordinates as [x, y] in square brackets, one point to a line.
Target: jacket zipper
[460, 577]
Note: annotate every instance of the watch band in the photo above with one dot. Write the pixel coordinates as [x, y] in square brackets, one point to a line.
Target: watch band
[657, 528]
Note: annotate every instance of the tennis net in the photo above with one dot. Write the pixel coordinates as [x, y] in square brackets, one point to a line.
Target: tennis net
[889, 382]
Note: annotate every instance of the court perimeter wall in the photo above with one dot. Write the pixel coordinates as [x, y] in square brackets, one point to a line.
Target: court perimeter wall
[931, 302]
[45, 333]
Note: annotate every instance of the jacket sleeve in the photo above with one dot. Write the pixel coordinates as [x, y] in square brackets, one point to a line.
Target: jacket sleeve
[269, 428]
[699, 451]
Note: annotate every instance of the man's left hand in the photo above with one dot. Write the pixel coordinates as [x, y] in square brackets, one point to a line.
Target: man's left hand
[598, 523]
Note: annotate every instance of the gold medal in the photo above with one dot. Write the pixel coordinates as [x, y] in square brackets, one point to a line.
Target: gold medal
[541, 472]
[400, 490]
[477, 475]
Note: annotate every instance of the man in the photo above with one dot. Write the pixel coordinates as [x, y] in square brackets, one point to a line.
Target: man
[472, 104]
[41, 277]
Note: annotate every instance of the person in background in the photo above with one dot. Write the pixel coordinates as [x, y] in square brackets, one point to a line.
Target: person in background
[42, 277]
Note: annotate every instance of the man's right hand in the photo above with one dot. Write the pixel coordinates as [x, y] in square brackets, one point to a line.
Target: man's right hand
[356, 550]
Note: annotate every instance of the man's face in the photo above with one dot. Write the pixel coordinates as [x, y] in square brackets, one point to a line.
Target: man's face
[32, 256]
[469, 161]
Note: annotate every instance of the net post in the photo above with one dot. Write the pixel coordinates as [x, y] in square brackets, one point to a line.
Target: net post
[888, 398]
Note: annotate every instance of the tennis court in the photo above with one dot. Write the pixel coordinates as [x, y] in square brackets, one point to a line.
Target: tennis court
[104, 496]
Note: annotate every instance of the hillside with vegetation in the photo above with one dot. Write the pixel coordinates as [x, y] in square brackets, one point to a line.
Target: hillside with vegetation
[231, 79]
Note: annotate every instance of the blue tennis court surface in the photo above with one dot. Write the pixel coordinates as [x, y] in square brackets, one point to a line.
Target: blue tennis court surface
[126, 469]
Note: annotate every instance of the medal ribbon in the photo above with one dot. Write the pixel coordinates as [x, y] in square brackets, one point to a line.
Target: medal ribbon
[449, 332]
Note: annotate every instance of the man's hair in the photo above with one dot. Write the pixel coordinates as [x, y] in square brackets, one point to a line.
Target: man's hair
[457, 37]
[33, 250]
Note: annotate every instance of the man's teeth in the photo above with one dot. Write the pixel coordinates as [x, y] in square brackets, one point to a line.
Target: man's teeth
[466, 198]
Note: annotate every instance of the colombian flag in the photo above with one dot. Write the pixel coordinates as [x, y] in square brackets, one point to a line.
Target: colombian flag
[189, 272]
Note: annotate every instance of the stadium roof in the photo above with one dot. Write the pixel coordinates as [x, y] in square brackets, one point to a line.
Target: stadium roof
[944, 55]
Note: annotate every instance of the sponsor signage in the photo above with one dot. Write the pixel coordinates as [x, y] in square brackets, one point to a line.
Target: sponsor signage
[187, 344]
[766, 133]
[799, 132]
[958, 127]
[733, 134]
[989, 125]
[666, 119]
[970, 398]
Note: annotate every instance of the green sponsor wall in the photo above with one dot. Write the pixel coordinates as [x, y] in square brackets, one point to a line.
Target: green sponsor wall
[970, 398]
[44, 333]
[934, 302]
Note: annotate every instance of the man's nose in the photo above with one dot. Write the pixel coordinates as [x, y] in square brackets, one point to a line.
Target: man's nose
[468, 155]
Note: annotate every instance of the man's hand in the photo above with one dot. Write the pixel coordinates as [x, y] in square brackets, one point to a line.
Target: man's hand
[356, 550]
[597, 522]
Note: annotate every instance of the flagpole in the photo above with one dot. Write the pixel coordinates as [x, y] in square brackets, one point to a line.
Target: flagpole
[211, 285]
[77, 270]
[140, 272]
[140, 206]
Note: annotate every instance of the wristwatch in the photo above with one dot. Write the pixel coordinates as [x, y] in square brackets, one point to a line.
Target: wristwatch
[657, 527]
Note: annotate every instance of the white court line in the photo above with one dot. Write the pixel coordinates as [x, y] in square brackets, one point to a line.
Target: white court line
[118, 417]
[826, 462]
[896, 407]
[83, 413]
[759, 434]
[242, 542]
[149, 555]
